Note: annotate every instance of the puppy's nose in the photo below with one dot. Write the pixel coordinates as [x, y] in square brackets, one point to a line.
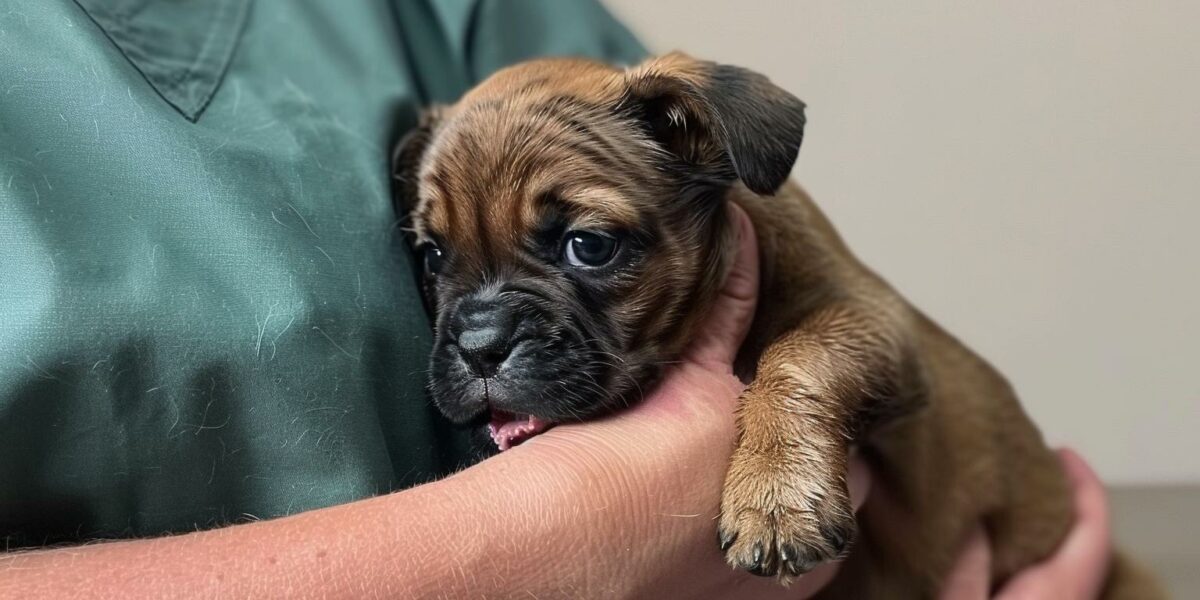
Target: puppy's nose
[484, 333]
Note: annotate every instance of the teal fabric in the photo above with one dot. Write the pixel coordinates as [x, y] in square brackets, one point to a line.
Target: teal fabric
[205, 313]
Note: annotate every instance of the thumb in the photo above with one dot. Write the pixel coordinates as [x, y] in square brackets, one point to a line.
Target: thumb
[722, 332]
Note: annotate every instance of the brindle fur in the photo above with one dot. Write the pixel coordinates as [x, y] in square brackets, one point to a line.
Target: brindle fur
[837, 357]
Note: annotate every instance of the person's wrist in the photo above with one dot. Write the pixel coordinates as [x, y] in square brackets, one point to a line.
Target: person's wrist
[541, 515]
[647, 481]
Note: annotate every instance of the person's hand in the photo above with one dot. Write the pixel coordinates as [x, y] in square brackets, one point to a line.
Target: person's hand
[1076, 570]
[661, 465]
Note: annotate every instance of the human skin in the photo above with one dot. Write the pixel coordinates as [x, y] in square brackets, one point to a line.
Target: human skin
[620, 507]
[1075, 571]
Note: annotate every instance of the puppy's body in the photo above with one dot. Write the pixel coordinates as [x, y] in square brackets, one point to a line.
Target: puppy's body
[571, 220]
[949, 441]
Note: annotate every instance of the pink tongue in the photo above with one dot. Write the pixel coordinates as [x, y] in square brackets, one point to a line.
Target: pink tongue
[509, 430]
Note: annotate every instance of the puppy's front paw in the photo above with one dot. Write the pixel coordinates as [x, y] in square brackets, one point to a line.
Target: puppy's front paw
[783, 517]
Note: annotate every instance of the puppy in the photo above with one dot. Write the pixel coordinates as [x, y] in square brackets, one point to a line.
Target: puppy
[570, 222]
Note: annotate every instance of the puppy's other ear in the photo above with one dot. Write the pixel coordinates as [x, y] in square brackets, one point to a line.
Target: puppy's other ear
[726, 121]
[406, 161]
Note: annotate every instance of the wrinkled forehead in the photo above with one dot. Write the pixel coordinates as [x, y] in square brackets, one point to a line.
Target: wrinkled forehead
[501, 168]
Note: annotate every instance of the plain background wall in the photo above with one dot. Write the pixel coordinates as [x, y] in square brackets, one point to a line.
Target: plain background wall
[1026, 172]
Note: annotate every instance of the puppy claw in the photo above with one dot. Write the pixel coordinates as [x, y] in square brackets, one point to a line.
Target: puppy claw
[725, 539]
[800, 565]
[794, 568]
[786, 553]
[760, 562]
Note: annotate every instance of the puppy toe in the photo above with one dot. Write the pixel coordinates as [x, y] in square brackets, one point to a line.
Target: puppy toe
[779, 541]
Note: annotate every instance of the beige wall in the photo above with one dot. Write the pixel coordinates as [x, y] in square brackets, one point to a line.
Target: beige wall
[1027, 172]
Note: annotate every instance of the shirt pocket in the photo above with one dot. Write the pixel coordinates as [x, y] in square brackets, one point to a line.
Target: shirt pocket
[181, 47]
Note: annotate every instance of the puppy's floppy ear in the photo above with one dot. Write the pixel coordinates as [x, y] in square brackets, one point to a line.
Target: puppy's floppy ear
[727, 121]
[406, 161]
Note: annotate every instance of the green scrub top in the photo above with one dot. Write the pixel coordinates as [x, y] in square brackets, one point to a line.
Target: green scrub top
[205, 313]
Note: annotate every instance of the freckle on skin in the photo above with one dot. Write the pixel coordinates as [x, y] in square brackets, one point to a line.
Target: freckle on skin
[321, 554]
[273, 560]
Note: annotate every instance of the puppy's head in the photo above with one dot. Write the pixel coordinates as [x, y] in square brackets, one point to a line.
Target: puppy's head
[569, 222]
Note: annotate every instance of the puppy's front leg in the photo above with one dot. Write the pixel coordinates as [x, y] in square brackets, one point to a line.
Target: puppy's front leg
[786, 507]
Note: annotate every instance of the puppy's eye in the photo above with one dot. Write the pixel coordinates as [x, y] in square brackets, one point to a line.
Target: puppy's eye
[432, 256]
[589, 249]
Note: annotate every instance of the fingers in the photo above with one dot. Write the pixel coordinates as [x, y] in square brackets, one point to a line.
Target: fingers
[729, 318]
[970, 577]
[1080, 565]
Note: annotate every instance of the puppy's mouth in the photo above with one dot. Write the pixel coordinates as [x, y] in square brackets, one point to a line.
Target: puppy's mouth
[509, 429]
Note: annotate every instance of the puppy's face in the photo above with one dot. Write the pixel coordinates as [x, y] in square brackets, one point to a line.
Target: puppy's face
[568, 220]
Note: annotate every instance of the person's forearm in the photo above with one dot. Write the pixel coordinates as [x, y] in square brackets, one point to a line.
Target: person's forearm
[424, 542]
[507, 527]
[342, 551]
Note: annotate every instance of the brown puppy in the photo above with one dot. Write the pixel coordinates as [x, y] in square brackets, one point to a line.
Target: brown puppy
[570, 218]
